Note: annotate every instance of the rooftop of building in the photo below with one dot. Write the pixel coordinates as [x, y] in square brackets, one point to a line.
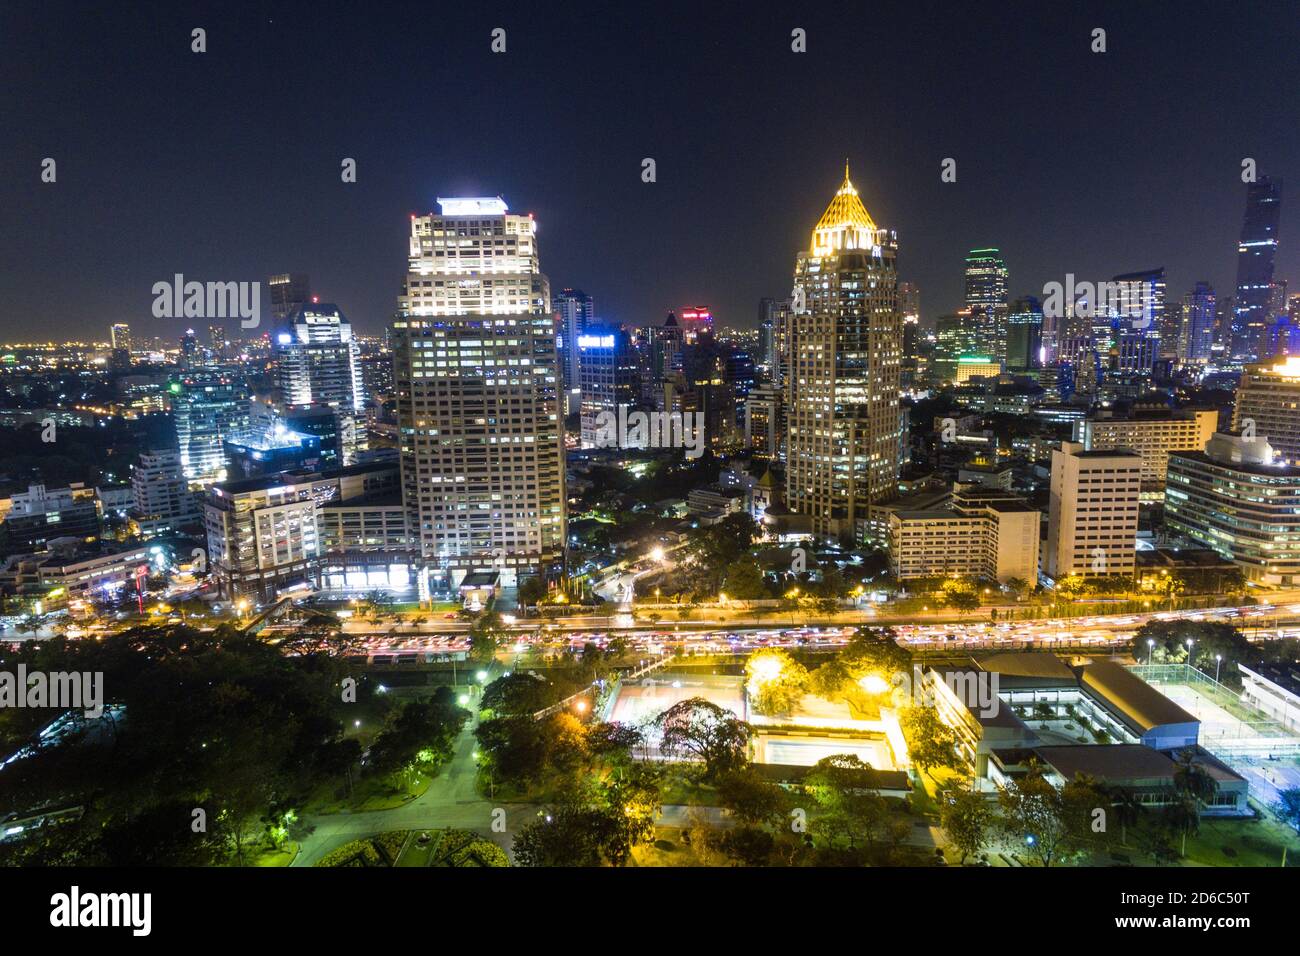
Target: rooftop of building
[1241, 467]
[244, 486]
[1130, 698]
[1285, 675]
[1134, 763]
[1027, 664]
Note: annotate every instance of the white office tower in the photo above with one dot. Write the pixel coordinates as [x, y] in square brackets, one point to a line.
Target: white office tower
[842, 388]
[1092, 517]
[161, 494]
[478, 389]
[317, 363]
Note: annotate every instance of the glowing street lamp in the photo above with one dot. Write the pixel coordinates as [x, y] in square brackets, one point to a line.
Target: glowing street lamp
[874, 684]
[1218, 659]
[1151, 648]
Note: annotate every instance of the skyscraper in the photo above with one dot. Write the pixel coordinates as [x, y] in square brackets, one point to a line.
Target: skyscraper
[574, 312]
[1133, 306]
[607, 375]
[161, 495]
[845, 354]
[317, 362]
[1268, 406]
[208, 407]
[1198, 324]
[120, 336]
[955, 337]
[477, 381]
[1255, 254]
[986, 298]
[1092, 518]
[288, 291]
[1025, 334]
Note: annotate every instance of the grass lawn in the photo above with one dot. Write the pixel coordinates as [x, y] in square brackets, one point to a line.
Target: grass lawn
[416, 855]
[666, 850]
[1243, 843]
[369, 795]
[680, 790]
[278, 857]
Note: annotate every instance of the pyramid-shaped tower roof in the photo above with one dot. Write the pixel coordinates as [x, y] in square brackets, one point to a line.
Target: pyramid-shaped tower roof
[845, 224]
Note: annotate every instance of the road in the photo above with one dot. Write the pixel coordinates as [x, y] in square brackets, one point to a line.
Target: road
[450, 801]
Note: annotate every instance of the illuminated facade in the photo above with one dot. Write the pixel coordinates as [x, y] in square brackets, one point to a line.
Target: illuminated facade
[1268, 405]
[1153, 435]
[1233, 497]
[1092, 518]
[607, 376]
[1255, 254]
[478, 389]
[986, 298]
[845, 355]
[318, 364]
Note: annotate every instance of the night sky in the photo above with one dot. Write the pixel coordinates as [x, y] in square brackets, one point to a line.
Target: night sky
[226, 165]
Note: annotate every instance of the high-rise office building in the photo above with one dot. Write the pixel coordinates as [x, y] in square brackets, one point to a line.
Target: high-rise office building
[1025, 334]
[772, 321]
[1133, 313]
[1236, 498]
[1268, 405]
[317, 363]
[607, 376]
[1152, 433]
[1198, 324]
[845, 359]
[574, 312]
[208, 407]
[986, 298]
[478, 388]
[1092, 518]
[120, 344]
[288, 292]
[956, 337]
[161, 495]
[1255, 254]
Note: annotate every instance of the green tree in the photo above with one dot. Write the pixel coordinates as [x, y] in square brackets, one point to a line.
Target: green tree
[774, 681]
[753, 800]
[930, 742]
[699, 729]
[744, 581]
[1287, 807]
[968, 820]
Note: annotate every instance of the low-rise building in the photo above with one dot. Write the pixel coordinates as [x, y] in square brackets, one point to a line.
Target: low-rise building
[267, 534]
[1273, 689]
[984, 532]
[1153, 434]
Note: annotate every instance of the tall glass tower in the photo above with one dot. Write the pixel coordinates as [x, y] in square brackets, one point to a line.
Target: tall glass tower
[845, 355]
[1255, 254]
[986, 298]
[478, 388]
[318, 363]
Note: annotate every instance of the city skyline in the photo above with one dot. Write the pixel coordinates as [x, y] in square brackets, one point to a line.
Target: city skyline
[1087, 209]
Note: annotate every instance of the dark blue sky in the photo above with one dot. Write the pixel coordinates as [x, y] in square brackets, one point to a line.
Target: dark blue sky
[225, 165]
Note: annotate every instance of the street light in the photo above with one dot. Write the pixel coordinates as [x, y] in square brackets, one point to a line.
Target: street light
[1218, 659]
[1151, 647]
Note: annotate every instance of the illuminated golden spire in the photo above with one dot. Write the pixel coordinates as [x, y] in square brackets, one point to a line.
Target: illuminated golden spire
[845, 224]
